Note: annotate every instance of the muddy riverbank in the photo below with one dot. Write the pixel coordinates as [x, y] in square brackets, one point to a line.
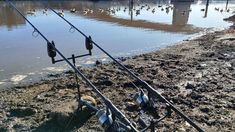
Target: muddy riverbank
[198, 76]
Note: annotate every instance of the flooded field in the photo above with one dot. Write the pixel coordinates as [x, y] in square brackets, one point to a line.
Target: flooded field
[120, 27]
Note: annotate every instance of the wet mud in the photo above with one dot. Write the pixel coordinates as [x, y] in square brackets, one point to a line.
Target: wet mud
[197, 76]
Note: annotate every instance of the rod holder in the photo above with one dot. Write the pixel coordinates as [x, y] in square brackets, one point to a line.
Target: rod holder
[141, 99]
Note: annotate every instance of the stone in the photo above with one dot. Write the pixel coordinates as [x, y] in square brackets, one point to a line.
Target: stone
[205, 109]
[22, 112]
[190, 85]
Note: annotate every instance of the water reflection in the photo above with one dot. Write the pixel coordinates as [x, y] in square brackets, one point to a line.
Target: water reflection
[207, 5]
[181, 13]
[115, 12]
[9, 17]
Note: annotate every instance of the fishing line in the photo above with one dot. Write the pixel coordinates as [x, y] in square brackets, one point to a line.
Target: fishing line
[149, 88]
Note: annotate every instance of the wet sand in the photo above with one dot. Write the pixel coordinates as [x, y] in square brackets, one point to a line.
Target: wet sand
[198, 76]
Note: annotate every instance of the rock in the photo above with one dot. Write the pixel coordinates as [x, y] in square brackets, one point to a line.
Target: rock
[131, 106]
[21, 127]
[3, 129]
[181, 129]
[205, 109]
[62, 113]
[227, 64]
[40, 98]
[98, 62]
[140, 69]
[203, 65]
[211, 54]
[231, 18]
[22, 112]
[198, 75]
[3, 115]
[54, 75]
[130, 84]
[233, 63]
[162, 64]
[195, 96]
[104, 82]
[190, 85]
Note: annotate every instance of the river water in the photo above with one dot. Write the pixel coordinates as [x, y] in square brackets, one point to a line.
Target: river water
[115, 25]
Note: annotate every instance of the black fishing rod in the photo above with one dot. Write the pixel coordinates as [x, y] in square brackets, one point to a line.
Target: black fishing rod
[117, 113]
[149, 88]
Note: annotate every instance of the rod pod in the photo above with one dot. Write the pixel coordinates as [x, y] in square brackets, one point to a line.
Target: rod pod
[149, 88]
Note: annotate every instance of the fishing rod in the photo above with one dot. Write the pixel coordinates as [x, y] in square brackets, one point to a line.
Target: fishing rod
[104, 115]
[148, 87]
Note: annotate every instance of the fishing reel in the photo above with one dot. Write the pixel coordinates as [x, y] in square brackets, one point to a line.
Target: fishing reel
[141, 99]
[105, 118]
[51, 50]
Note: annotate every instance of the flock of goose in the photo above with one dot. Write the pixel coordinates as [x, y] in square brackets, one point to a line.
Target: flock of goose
[222, 10]
[137, 10]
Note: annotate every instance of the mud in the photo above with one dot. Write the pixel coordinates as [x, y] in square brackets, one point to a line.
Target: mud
[197, 76]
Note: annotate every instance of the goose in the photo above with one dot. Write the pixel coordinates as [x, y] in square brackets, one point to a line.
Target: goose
[137, 12]
[113, 11]
[91, 11]
[73, 10]
[167, 10]
[61, 13]
[45, 11]
[153, 10]
[108, 10]
[148, 8]
[169, 7]
[31, 12]
[85, 11]
[101, 10]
